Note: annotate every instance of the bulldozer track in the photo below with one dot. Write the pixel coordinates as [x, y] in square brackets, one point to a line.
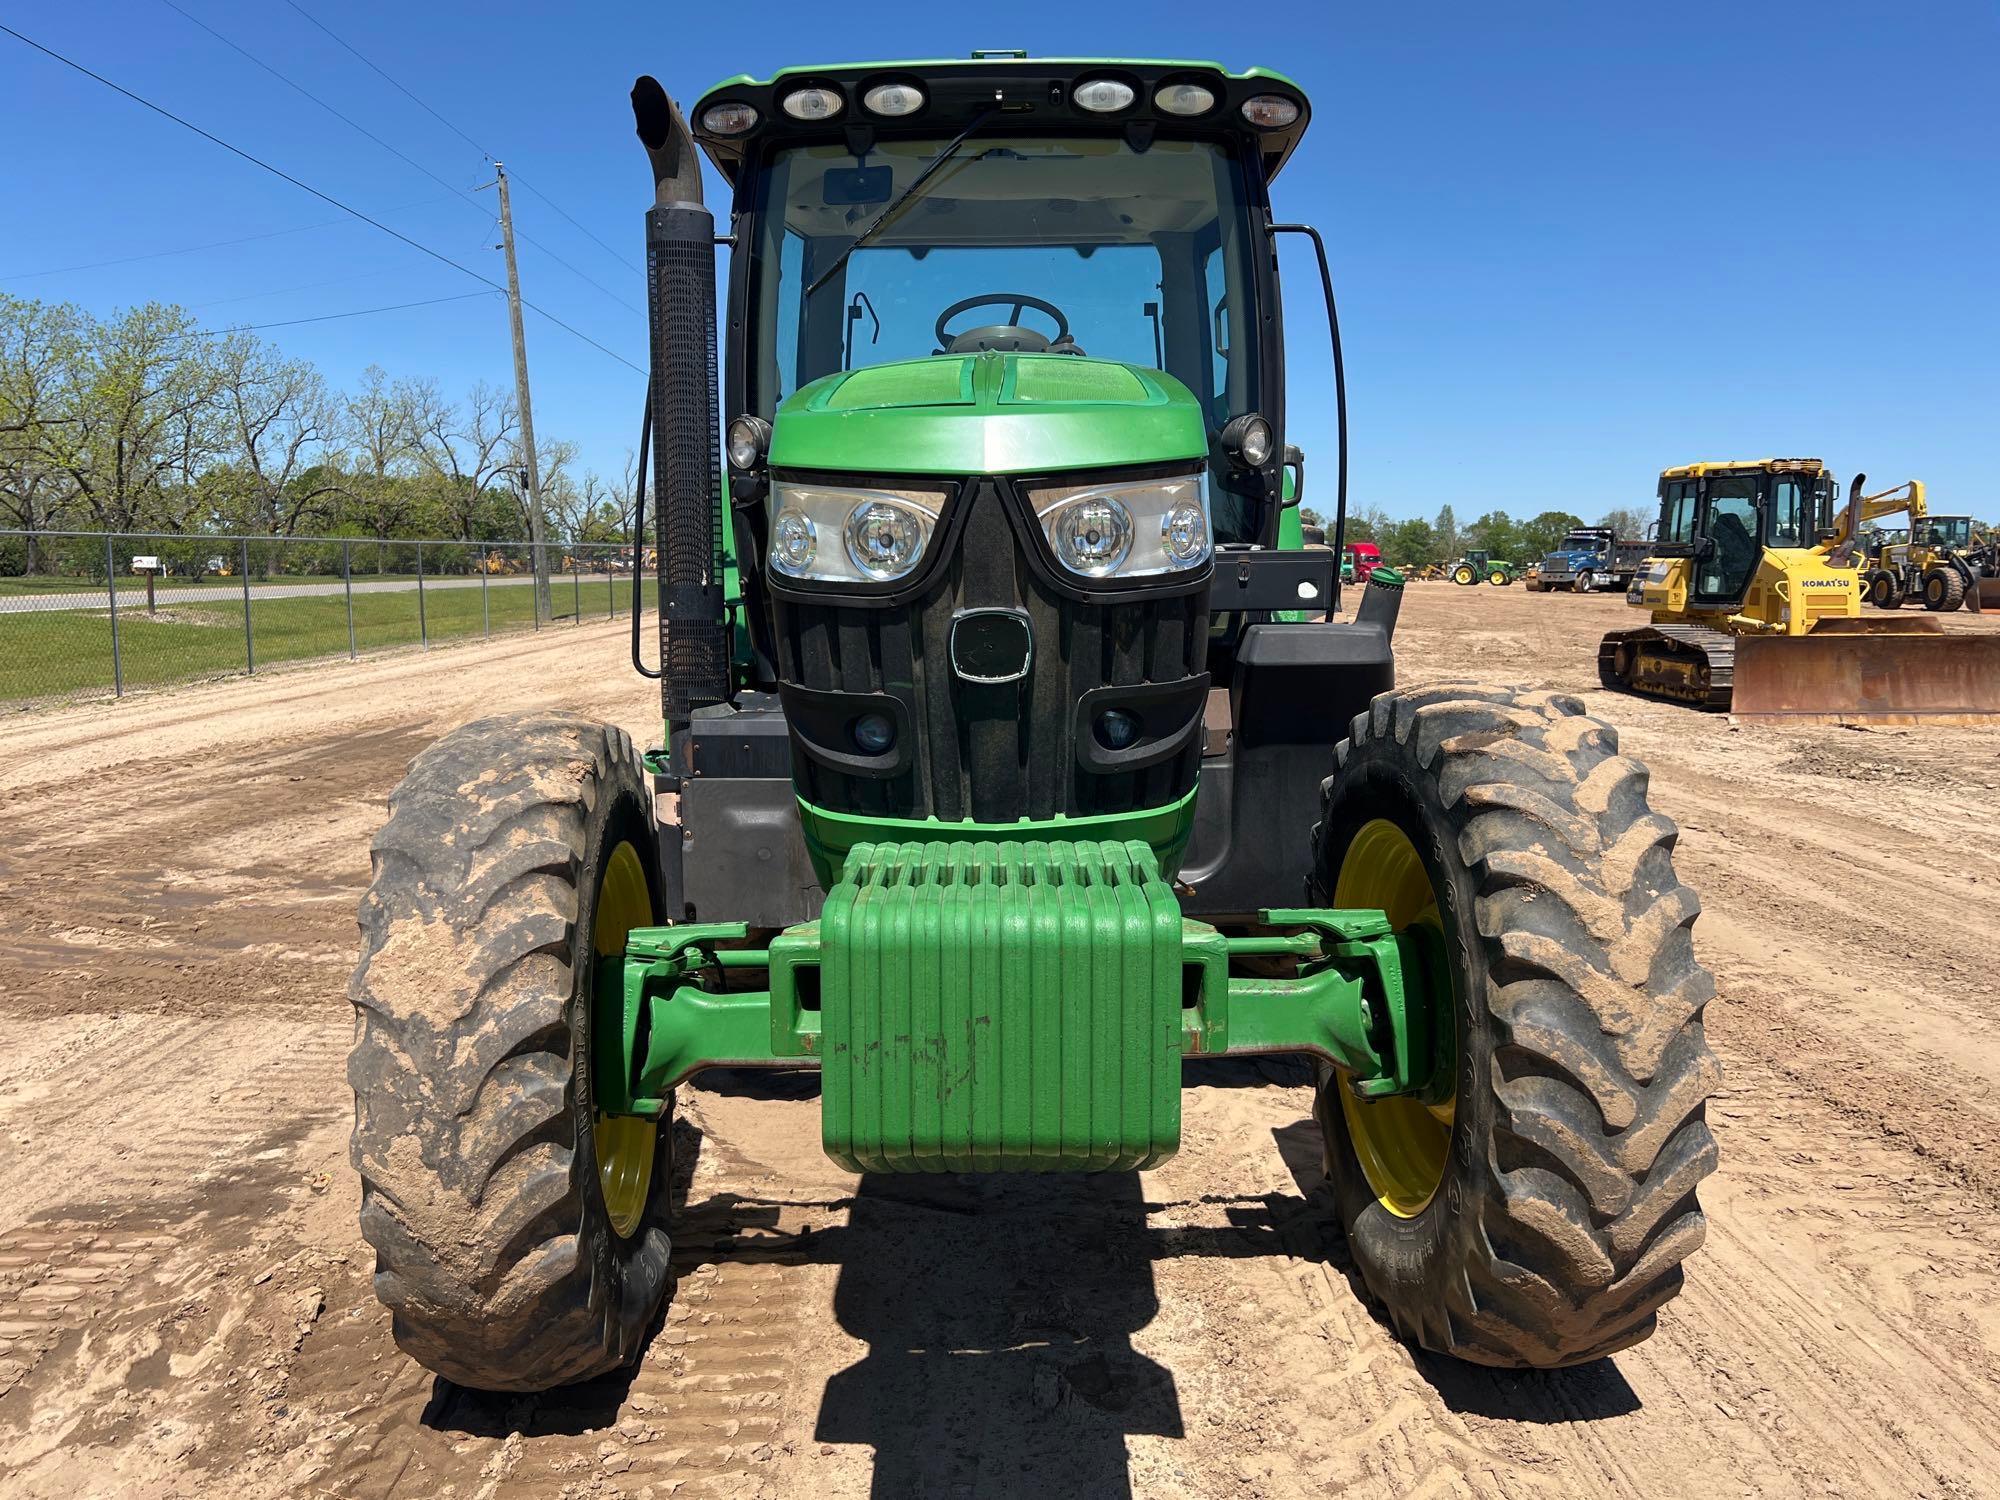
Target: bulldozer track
[1713, 650]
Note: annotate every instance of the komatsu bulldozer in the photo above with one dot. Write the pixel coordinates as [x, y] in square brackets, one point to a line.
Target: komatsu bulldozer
[1015, 753]
[1754, 589]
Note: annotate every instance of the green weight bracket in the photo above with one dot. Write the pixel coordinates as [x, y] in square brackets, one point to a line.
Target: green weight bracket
[1373, 1001]
[667, 1011]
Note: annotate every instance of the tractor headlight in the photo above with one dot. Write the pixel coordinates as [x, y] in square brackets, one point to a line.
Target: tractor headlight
[877, 536]
[1135, 529]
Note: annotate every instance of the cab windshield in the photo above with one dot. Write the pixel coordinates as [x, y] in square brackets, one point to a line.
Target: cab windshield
[1142, 255]
[1951, 531]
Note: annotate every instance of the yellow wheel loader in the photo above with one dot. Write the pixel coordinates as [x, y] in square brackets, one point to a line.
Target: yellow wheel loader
[1754, 588]
[1936, 564]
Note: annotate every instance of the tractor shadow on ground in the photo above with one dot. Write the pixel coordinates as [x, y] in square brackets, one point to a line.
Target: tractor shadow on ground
[999, 1314]
[1585, 1393]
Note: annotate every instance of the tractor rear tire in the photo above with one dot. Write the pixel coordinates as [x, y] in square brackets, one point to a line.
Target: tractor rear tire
[1944, 590]
[1464, 576]
[1563, 1197]
[498, 879]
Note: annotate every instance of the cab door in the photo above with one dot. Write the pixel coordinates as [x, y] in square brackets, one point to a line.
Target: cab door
[1727, 543]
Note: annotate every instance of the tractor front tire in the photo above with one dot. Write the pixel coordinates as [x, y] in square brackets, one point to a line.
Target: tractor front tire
[1499, 578]
[520, 1238]
[1540, 1217]
[1884, 592]
[1944, 590]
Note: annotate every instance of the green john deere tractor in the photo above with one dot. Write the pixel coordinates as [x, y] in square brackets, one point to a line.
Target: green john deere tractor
[1014, 755]
[1475, 566]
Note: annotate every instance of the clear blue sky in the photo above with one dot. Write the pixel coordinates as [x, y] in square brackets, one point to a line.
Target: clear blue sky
[1574, 242]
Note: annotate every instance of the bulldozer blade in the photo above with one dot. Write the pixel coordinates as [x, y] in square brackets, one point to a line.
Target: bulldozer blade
[1917, 675]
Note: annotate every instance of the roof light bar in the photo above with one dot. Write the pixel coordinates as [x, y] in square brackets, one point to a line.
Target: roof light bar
[893, 99]
[1103, 96]
[1270, 111]
[729, 118]
[813, 104]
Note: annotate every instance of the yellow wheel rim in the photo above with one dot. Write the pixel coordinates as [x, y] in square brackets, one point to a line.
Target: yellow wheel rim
[625, 1144]
[1403, 1145]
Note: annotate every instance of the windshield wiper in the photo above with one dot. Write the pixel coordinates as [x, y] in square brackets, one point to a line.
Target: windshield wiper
[895, 204]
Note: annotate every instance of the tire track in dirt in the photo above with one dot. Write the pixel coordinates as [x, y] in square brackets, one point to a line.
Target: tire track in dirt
[1193, 1331]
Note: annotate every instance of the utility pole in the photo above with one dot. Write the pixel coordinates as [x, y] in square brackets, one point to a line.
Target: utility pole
[543, 606]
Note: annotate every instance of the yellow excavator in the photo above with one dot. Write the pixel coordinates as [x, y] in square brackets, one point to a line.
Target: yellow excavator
[1754, 587]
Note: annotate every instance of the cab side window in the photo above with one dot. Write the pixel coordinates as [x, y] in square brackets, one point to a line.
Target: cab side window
[1788, 512]
[1677, 514]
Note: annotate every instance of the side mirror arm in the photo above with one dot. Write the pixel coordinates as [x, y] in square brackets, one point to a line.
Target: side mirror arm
[1339, 398]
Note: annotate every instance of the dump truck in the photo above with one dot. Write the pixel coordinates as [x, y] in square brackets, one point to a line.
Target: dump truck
[1588, 559]
[1012, 757]
[1754, 592]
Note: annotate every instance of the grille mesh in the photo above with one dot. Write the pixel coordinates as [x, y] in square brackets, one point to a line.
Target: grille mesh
[993, 753]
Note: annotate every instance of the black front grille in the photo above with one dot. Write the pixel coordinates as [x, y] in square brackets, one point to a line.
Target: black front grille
[1005, 751]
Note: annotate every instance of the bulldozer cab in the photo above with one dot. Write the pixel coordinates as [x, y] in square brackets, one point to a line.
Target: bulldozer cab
[1724, 516]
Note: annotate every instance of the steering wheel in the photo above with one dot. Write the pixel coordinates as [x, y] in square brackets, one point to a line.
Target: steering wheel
[1008, 337]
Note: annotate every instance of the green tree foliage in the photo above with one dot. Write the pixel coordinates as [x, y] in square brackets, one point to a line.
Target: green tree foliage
[1445, 535]
[145, 421]
[1545, 533]
[1495, 532]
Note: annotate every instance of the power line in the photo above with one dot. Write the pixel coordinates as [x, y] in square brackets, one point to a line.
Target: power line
[347, 120]
[349, 46]
[399, 88]
[359, 312]
[630, 266]
[307, 187]
[280, 291]
[400, 155]
[126, 260]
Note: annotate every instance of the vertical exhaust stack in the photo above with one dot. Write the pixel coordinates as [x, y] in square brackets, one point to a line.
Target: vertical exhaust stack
[680, 300]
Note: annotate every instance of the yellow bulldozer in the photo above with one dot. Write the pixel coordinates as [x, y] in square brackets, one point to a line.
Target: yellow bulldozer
[1754, 587]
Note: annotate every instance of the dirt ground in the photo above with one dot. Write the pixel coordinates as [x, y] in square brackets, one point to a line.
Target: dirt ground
[184, 1296]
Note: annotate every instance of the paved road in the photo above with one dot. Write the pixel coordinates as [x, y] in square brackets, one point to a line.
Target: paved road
[130, 596]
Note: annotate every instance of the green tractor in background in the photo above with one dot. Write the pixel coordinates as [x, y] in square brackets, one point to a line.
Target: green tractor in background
[1014, 755]
[1477, 565]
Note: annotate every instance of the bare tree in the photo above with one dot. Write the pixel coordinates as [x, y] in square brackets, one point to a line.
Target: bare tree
[283, 429]
[465, 447]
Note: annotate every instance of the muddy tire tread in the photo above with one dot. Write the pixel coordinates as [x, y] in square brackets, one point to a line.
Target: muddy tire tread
[1586, 1204]
[464, 1135]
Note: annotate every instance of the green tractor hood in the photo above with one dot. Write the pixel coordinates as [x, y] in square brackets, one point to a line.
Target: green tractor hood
[989, 413]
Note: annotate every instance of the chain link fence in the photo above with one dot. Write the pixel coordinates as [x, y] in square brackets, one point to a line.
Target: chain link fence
[98, 614]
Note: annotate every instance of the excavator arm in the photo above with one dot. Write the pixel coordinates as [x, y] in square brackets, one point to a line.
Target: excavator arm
[1861, 509]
